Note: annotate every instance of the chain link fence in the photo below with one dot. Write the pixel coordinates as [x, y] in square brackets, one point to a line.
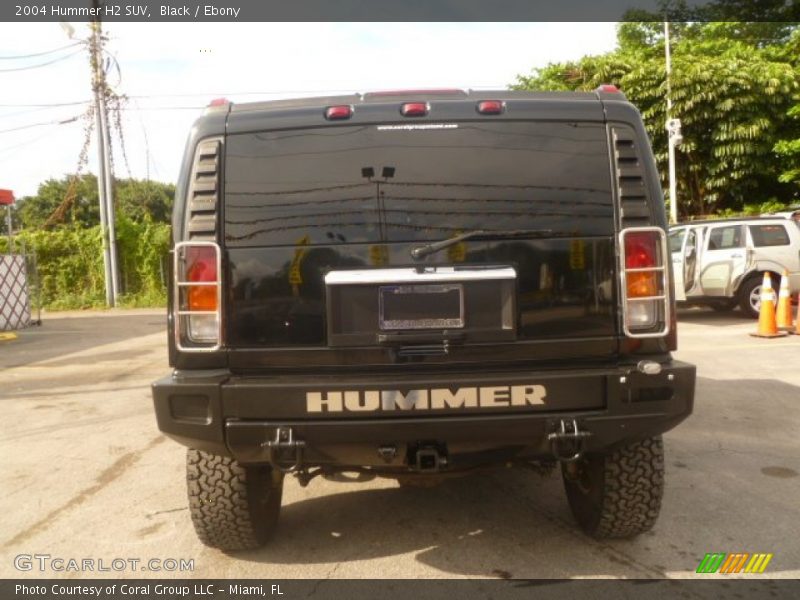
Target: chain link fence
[19, 292]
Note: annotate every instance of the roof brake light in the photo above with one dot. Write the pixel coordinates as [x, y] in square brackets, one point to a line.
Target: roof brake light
[608, 88]
[219, 102]
[337, 113]
[490, 107]
[414, 109]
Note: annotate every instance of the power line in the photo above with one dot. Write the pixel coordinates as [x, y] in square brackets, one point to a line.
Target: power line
[148, 156]
[18, 56]
[502, 86]
[213, 94]
[25, 143]
[26, 112]
[141, 108]
[43, 105]
[44, 64]
[30, 126]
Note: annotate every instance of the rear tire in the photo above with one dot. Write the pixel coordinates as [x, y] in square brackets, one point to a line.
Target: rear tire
[232, 507]
[750, 296]
[617, 494]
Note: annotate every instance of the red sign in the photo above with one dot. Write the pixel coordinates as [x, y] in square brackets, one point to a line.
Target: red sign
[6, 197]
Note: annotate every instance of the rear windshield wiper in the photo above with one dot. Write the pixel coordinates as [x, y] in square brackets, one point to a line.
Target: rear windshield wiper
[423, 251]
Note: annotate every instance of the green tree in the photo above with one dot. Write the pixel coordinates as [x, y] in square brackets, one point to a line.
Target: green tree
[141, 200]
[788, 148]
[136, 200]
[789, 151]
[732, 86]
[85, 212]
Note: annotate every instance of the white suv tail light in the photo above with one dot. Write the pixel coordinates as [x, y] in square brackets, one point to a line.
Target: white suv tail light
[197, 296]
[643, 270]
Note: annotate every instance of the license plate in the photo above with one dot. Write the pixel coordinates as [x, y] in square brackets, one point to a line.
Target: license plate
[437, 306]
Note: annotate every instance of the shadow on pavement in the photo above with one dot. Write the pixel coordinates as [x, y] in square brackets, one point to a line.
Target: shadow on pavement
[467, 526]
[732, 484]
[708, 316]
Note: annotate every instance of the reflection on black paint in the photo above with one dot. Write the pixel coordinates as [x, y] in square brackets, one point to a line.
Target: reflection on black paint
[266, 310]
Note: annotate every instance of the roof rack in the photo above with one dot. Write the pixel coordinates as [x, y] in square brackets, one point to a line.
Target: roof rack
[729, 220]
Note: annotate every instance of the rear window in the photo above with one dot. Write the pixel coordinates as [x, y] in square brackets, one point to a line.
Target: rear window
[769, 235]
[415, 181]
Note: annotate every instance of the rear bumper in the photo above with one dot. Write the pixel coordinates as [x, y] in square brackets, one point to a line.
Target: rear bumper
[508, 413]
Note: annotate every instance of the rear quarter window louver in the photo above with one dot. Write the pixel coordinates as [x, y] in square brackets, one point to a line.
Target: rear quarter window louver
[630, 175]
[203, 197]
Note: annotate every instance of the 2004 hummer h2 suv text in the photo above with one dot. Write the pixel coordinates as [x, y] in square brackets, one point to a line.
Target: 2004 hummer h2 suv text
[421, 284]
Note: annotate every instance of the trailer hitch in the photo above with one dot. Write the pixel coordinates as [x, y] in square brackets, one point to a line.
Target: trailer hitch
[284, 444]
[428, 458]
[567, 441]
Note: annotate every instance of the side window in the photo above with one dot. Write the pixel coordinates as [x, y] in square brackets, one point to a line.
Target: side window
[723, 238]
[676, 240]
[769, 235]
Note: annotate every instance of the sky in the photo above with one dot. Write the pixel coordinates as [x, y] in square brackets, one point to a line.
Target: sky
[170, 71]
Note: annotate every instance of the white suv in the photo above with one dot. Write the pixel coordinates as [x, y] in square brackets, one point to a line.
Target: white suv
[721, 263]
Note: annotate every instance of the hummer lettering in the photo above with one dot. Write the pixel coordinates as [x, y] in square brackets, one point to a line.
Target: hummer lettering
[422, 399]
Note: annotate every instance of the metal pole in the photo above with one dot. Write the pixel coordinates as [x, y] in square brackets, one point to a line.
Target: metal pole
[101, 156]
[673, 184]
[110, 212]
[673, 199]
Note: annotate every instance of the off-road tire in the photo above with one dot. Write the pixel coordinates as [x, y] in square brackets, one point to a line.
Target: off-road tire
[232, 507]
[617, 494]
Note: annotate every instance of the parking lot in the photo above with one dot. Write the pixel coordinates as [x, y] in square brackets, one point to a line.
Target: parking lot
[86, 474]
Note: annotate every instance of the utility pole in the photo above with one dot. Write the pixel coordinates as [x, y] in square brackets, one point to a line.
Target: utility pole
[674, 139]
[111, 213]
[104, 177]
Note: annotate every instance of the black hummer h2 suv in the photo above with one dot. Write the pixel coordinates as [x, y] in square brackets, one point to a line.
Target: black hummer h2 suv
[420, 284]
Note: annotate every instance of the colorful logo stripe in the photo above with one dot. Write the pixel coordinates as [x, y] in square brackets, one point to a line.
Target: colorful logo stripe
[736, 562]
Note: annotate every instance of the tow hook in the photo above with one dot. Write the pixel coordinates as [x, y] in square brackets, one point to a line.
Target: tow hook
[567, 441]
[285, 449]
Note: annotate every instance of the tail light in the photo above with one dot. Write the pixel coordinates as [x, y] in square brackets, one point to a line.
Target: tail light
[490, 107]
[197, 296]
[607, 88]
[414, 109]
[643, 268]
[338, 113]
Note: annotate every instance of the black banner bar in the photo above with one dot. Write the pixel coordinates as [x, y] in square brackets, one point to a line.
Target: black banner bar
[497, 589]
[398, 10]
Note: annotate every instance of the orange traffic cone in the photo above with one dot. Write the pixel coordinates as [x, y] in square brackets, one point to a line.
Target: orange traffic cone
[797, 327]
[783, 315]
[767, 326]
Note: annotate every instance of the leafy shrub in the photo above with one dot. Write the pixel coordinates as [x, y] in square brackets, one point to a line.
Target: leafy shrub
[69, 264]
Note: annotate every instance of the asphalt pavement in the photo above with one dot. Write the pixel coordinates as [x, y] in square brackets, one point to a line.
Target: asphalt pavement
[86, 475]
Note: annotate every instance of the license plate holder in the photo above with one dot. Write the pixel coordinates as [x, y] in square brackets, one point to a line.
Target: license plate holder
[421, 306]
